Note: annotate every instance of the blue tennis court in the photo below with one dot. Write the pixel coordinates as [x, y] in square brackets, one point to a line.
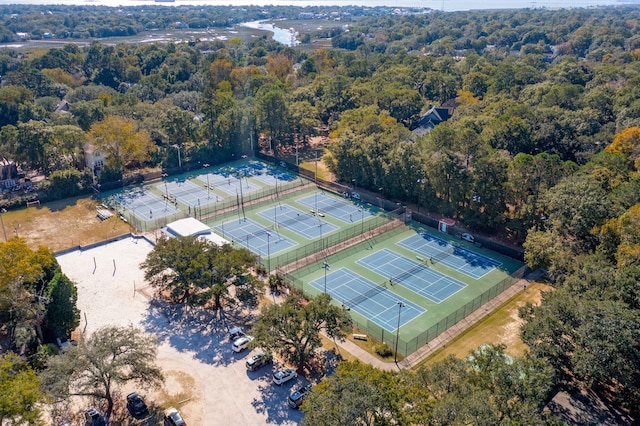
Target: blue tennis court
[367, 298]
[400, 270]
[229, 184]
[145, 205]
[255, 237]
[273, 178]
[466, 261]
[188, 192]
[307, 225]
[342, 210]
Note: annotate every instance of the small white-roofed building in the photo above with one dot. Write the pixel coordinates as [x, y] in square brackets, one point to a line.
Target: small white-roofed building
[192, 227]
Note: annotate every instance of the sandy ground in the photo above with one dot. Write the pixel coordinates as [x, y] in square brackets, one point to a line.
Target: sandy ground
[204, 377]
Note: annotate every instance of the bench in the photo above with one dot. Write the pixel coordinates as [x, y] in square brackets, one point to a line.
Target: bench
[420, 259]
[359, 336]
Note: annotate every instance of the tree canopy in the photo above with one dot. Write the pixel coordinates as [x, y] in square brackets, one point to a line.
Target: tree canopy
[195, 271]
[111, 357]
[293, 328]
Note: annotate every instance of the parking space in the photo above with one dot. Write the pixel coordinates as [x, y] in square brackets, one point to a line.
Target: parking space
[194, 352]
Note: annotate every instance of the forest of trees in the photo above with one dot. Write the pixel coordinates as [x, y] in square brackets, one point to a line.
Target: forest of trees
[543, 146]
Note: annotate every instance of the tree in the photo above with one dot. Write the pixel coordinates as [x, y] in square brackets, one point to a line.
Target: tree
[11, 98]
[24, 276]
[110, 357]
[20, 396]
[195, 271]
[34, 138]
[292, 328]
[627, 143]
[62, 315]
[575, 206]
[119, 139]
[357, 394]
[273, 115]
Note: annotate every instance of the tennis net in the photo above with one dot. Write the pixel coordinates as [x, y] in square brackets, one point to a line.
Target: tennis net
[441, 256]
[364, 296]
[406, 274]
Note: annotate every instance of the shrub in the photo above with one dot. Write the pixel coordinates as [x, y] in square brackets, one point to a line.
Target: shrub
[383, 350]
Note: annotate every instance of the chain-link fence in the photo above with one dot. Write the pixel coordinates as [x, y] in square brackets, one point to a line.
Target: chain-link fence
[409, 346]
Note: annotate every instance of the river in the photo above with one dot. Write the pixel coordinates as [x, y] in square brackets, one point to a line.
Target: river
[281, 35]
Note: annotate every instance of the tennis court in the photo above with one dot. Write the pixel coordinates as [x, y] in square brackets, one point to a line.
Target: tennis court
[145, 205]
[367, 298]
[342, 210]
[187, 192]
[255, 237]
[307, 225]
[229, 184]
[420, 279]
[466, 261]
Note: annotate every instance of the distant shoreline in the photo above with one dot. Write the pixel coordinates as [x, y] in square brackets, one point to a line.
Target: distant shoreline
[446, 5]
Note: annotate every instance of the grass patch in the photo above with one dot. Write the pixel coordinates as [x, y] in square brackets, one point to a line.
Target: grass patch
[62, 224]
[370, 345]
[329, 345]
[502, 326]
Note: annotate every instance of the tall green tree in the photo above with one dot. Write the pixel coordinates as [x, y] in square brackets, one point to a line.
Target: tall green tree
[62, 315]
[108, 359]
[357, 394]
[292, 328]
[20, 399]
[121, 141]
[195, 271]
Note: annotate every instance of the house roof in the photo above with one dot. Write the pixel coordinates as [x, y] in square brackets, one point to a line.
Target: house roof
[431, 119]
[193, 227]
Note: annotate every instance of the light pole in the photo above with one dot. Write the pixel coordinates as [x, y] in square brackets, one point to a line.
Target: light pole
[315, 176]
[179, 159]
[208, 186]
[4, 231]
[395, 356]
[268, 254]
[325, 266]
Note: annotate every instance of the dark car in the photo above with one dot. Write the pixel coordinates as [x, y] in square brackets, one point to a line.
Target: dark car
[172, 417]
[92, 417]
[136, 405]
[257, 361]
[298, 395]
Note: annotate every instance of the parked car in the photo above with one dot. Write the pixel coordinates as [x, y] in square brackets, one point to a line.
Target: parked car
[284, 375]
[92, 417]
[257, 361]
[136, 405]
[355, 195]
[468, 237]
[241, 343]
[297, 396]
[172, 417]
[235, 333]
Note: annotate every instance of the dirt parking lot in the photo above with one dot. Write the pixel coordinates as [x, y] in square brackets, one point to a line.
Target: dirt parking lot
[205, 379]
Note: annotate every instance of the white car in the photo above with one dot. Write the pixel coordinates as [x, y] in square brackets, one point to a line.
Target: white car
[241, 343]
[468, 237]
[284, 375]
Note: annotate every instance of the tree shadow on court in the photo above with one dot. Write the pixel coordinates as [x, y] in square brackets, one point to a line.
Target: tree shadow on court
[195, 329]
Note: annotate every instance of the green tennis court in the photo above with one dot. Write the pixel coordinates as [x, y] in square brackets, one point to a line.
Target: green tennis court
[446, 294]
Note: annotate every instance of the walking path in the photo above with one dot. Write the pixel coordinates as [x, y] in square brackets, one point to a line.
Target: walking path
[445, 337]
